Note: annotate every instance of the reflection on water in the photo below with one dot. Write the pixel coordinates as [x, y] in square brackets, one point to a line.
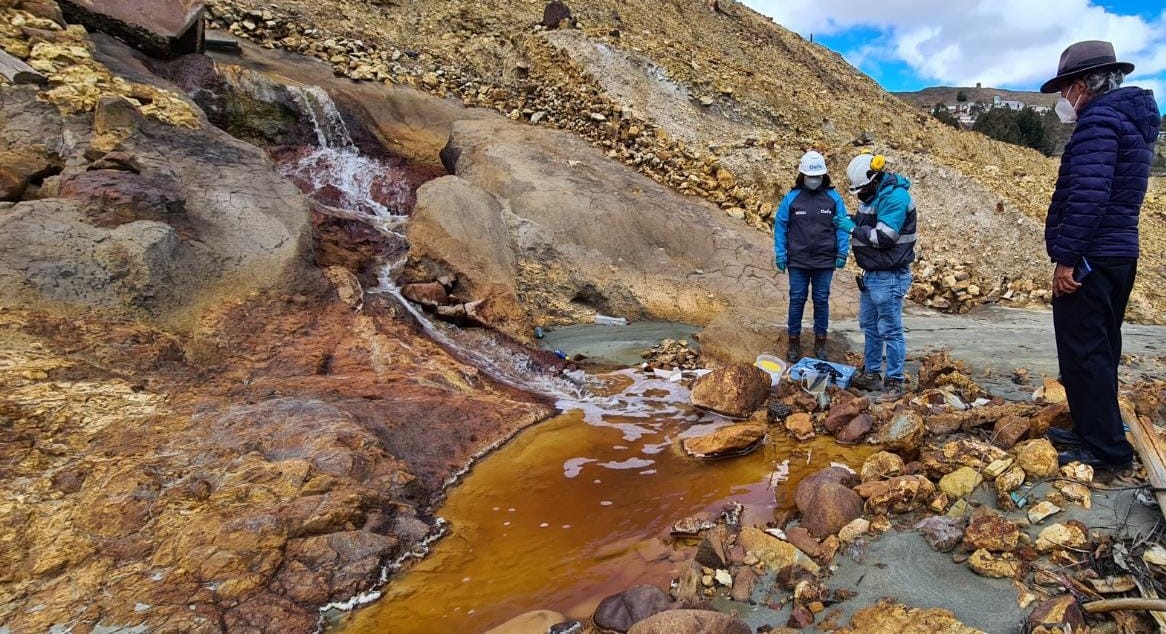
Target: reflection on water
[579, 507]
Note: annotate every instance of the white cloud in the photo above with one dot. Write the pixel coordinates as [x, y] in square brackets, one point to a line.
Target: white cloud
[1003, 43]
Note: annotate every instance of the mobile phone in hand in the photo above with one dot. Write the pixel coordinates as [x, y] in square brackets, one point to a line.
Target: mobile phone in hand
[1081, 270]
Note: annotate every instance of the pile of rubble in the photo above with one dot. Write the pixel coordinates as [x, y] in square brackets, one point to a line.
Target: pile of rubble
[957, 287]
[671, 354]
[972, 474]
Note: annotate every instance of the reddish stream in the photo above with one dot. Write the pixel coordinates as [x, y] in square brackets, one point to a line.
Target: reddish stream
[579, 507]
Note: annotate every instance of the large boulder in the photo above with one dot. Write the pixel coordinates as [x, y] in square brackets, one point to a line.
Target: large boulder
[691, 622]
[831, 507]
[736, 390]
[808, 487]
[474, 243]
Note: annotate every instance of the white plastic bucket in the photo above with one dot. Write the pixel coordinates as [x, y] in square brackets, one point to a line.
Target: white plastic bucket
[774, 366]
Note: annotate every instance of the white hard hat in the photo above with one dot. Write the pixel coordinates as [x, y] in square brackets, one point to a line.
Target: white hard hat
[813, 164]
[862, 169]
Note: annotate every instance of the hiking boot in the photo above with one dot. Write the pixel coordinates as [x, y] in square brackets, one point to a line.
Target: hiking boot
[1066, 437]
[867, 381]
[820, 347]
[795, 348]
[893, 390]
[1085, 455]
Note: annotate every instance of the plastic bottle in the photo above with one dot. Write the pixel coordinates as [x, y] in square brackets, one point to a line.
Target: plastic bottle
[610, 321]
[538, 332]
[560, 354]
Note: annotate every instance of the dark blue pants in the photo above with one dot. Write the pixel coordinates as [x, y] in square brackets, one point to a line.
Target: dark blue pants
[800, 281]
[1088, 330]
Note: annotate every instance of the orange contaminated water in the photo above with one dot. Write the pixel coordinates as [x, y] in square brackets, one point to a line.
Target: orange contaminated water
[579, 507]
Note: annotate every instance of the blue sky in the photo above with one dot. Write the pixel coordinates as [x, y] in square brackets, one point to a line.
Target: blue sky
[913, 44]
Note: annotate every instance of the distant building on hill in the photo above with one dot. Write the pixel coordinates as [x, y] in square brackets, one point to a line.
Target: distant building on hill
[1000, 102]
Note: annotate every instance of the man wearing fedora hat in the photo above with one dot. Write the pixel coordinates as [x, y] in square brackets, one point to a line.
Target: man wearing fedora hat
[1091, 233]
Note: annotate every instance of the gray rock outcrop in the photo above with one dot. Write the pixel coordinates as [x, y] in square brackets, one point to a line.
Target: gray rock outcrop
[181, 214]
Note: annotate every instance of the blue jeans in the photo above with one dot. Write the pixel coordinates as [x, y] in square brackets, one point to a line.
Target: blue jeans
[799, 285]
[880, 315]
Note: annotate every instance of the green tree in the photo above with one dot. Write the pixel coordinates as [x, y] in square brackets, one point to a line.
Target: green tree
[961, 96]
[1018, 127]
[999, 124]
[944, 115]
[1033, 132]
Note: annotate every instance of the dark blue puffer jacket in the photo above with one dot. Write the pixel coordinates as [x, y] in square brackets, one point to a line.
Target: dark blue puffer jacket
[1103, 178]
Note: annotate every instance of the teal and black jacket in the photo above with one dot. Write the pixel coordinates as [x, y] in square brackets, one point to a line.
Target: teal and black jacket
[884, 234]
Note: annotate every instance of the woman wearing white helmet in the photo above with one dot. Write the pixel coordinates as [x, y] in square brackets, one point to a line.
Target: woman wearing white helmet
[807, 243]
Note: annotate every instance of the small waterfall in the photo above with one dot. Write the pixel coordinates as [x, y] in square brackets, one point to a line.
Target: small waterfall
[330, 129]
[345, 183]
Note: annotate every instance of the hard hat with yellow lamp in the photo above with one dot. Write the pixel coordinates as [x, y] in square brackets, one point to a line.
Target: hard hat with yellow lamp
[863, 169]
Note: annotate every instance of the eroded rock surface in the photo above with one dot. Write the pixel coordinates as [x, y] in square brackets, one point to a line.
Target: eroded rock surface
[241, 476]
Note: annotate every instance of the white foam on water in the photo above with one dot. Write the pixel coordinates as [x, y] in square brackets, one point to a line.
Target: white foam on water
[630, 463]
[780, 473]
[573, 467]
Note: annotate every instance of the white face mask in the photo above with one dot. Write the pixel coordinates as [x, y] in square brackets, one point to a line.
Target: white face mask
[1067, 110]
[812, 183]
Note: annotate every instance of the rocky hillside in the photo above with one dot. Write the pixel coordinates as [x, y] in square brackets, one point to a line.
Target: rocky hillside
[715, 104]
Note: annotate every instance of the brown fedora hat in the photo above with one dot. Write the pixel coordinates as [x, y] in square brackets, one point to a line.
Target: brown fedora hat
[1083, 57]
